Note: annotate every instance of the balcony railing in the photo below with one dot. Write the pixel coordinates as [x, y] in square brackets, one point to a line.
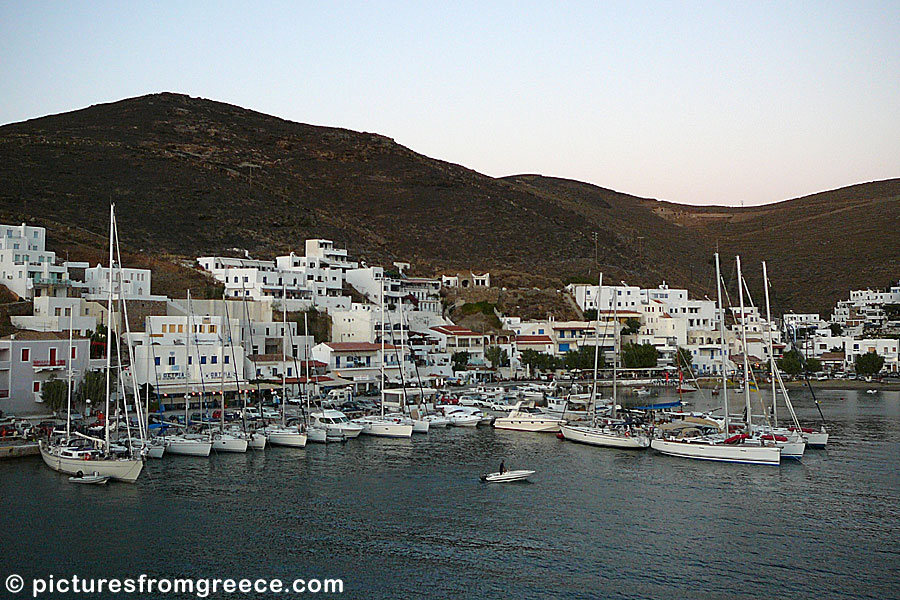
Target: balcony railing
[48, 363]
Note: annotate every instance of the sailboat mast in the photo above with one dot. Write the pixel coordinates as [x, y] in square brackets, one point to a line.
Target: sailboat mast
[382, 342]
[306, 360]
[744, 344]
[69, 386]
[615, 349]
[109, 327]
[771, 348]
[723, 346]
[596, 354]
[187, 362]
[283, 349]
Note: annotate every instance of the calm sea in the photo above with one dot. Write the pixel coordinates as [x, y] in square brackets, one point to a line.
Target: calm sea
[410, 518]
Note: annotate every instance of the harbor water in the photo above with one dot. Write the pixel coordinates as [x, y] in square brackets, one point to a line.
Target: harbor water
[410, 518]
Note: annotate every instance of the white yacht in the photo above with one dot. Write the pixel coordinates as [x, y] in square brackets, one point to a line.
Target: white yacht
[463, 416]
[336, 423]
[385, 426]
[525, 418]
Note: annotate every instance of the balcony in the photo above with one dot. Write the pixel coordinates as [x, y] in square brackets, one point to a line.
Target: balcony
[48, 364]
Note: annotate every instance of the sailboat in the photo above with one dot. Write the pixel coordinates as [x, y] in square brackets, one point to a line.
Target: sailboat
[614, 433]
[184, 444]
[382, 426]
[72, 459]
[690, 441]
[285, 435]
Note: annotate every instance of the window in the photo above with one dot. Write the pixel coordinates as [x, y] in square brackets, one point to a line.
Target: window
[180, 329]
[214, 359]
[289, 372]
[190, 360]
[73, 352]
[203, 360]
[226, 359]
[36, 387]
[156, 361]
[26, 354]
[171, 361]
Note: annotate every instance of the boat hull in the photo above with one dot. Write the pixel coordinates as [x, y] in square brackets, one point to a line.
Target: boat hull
[120, 469]
[597, 437]
[229, 444]
[533, 425]
[506, 477]
[737, 453]
[292, 440]
[257, 441]
[392, 430]
[183, 447]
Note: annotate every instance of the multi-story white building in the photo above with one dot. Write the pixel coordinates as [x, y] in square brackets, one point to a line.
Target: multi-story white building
[422, 294]
[360, 362]
[316, 279]
[130, 284]
[52, 313]
[453, 339]
[180, 355]
[26, 267]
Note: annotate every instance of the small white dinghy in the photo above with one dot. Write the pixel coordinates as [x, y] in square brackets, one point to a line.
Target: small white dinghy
[93, 479]
[506, 477]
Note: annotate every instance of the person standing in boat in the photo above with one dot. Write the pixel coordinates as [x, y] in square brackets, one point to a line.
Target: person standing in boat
[502, 467]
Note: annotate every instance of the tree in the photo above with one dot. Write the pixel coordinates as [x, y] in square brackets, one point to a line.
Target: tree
[497, 356]
[460, 360]
[539, 361]
[813, 365]
[98, 341]
[683, 358]
[590, 314]
[93, 387]
[836, 329]
[54, 394]
[639, 356]
[869, 363]
[632, 326]
[791, 362]
[582, 358]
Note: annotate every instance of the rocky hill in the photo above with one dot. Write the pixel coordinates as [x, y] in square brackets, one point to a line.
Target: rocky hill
[193, 176]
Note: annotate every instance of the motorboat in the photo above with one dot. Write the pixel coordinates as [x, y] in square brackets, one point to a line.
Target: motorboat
[506, 476]
[385, 426]
[336, 423]
[436, 421]
[463, 416]
[525, 418]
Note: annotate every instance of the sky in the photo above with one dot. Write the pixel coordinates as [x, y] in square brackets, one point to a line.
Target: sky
[735, 103]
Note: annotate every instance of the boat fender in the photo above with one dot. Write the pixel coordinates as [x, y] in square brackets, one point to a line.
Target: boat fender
[560, 436]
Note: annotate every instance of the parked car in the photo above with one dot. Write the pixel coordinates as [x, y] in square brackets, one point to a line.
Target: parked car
[270, 413]
[252, 413]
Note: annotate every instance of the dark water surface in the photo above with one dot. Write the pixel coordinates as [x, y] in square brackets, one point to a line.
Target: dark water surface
[409, 518]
